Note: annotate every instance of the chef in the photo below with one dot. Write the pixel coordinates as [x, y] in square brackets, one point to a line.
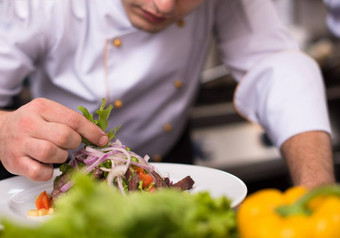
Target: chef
[145, 58]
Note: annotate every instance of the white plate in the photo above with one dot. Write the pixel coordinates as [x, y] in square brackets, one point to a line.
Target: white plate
[17, 194]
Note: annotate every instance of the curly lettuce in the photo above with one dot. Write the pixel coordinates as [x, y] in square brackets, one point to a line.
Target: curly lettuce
[93, 210]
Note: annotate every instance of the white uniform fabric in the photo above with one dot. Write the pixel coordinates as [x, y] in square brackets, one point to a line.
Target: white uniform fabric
[61, 45]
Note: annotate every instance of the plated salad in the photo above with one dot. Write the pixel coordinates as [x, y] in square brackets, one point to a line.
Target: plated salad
[91, 210]
[114, 163]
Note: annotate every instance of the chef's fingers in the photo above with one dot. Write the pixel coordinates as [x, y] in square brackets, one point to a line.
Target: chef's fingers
[32, 169]
[44, 151]
[70, 118]
[59, 134]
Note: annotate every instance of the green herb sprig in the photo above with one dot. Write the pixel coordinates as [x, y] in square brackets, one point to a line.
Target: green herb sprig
[103, 115]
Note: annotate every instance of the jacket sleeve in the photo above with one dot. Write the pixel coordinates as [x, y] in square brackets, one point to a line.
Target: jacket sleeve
[21, 44]
[279, 87]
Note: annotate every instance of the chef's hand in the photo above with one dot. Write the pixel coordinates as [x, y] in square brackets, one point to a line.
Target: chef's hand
[39, 134]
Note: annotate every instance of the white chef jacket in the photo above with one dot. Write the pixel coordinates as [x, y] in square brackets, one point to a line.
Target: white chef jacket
[78, 51]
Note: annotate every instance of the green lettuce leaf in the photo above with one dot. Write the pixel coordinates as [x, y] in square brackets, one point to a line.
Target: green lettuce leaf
[90, 209]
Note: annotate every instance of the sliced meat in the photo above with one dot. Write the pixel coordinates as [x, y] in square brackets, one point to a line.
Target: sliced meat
[56, 192]
[184, 184]
[160, 182]
[133, 180]
[133, 183]
[97, 173]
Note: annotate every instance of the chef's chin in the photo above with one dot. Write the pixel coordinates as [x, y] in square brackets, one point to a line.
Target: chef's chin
[147, 26]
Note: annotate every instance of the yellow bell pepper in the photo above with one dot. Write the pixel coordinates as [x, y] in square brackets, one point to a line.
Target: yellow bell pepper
[295, 213]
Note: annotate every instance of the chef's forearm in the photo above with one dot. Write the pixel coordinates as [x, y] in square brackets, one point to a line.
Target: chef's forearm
[309, 158]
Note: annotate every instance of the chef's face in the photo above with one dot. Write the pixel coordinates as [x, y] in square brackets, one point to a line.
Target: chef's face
[156, 15]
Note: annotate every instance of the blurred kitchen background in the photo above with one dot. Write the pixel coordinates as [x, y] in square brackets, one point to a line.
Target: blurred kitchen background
[224, 140]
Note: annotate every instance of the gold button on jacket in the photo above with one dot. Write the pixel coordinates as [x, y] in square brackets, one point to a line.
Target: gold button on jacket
[117, 42]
